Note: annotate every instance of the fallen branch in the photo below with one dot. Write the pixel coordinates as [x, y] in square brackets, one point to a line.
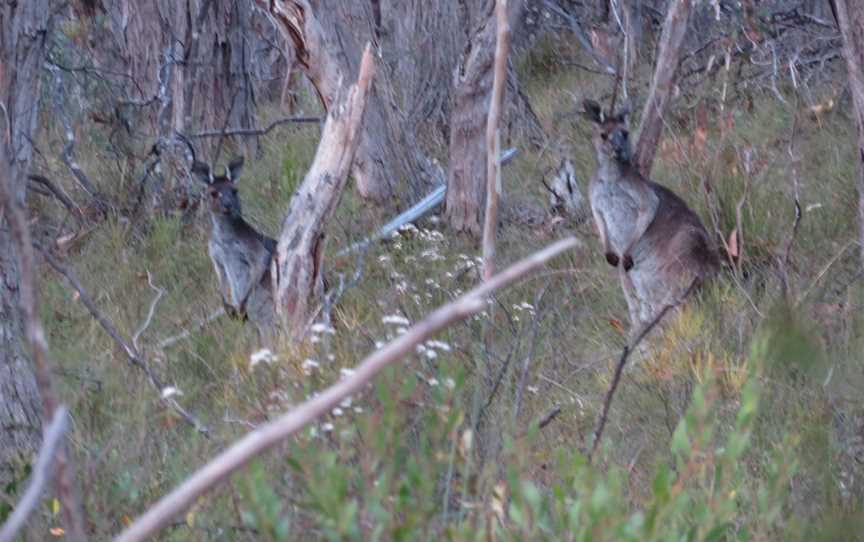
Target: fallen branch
[628, 349]
[256, 131]
[269, 435]
[51, 440]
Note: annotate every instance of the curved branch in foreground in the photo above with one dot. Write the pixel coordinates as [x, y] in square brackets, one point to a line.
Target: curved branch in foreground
[51, 441]
[269, 435]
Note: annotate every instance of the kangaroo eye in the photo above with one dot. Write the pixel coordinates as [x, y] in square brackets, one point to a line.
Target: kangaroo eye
[214, 195]
[234, 191]
[604, 136]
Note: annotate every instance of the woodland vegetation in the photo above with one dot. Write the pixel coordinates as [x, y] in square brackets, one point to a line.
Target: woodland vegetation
[466, 371]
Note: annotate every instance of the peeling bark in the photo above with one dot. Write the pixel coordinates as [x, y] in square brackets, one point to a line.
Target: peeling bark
[296, 270]
[321, 58]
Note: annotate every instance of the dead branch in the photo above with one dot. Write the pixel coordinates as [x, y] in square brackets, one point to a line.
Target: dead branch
[668, 56]
[186, 333]
[493, 139]
[324, 66]
[269, 435]
[61, 196]
[52, 438]
[619, 369]
[296, 269]
[551, 415]
[258, 132]
[132, 354]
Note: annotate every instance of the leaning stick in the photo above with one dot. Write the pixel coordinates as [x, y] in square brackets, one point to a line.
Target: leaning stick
[269, 435]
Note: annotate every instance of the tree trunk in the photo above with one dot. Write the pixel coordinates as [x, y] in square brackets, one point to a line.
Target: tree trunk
[850, 19]
[466, 193]
[24, 27]
[297, 267]
[665, 74]
[324, 62]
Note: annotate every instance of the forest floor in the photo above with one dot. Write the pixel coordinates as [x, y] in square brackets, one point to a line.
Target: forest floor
[440, 444]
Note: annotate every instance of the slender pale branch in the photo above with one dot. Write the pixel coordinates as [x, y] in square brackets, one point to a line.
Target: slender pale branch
[51, 441]
[493, 139]
[271, 434]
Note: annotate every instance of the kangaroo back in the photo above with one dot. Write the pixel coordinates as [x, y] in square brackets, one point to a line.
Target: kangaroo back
[240, 254]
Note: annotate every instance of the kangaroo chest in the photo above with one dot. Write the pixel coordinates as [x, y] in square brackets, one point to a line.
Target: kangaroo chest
[239, 260]
[619, 208]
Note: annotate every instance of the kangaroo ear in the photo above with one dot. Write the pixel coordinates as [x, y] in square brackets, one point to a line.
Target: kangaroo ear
[202, 172]
[235, 167]
[592, 111]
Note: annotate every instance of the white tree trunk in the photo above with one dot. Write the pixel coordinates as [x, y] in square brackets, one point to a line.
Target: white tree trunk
[296, 269]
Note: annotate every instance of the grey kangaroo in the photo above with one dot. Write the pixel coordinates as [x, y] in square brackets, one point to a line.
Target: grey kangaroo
[658, 244]
[240, 254]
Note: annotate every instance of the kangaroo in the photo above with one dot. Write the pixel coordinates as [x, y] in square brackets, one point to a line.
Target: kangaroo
[656, 241]
[240, 254]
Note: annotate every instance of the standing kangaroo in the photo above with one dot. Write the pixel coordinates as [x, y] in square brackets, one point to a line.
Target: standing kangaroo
[240, 254]
[658, 244]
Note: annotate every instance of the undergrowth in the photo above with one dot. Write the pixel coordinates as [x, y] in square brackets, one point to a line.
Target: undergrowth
[738, 422]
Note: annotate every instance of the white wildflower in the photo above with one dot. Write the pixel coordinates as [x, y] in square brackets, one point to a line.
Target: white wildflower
[170, 391]
[337, 412]
[396, 320]
[358, 409]
[346, 403]
[431, 354]
[323, 328]
[401, 330]
[440, 345]
[309, 364]
[264, 355]
[450, 383]
[433, 382]
[346, 372]
[327, 427]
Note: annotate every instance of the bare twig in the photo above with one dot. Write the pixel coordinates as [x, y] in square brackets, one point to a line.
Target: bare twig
[186, 333]
[258, 132]
[61, 196]
[52, 438]
[549, 416]
[628, 349]
[270, 434]
[493, 140]
[144, 325]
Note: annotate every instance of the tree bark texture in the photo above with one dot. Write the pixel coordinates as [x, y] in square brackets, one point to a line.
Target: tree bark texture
[466, 193]
[325, 62]
[662, 84]
[296, 269]
[24, 27]
[850, 18]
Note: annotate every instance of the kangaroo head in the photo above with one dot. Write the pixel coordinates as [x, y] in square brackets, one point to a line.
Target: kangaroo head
[611, 133]
[221, 189]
